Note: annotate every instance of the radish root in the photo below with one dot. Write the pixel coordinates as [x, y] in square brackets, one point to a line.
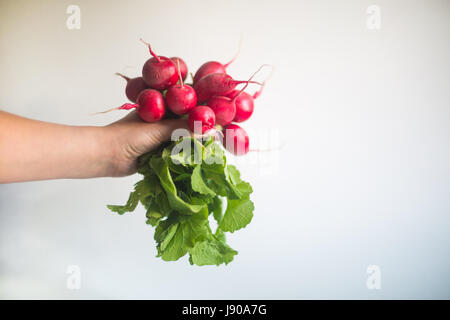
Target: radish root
[236, 54]
[123, 76]
[249, 80]
[258, 93]
[179, 73]
[126, 106]
[150, 49]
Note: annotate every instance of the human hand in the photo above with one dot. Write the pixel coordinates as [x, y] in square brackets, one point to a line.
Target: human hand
[130, 137]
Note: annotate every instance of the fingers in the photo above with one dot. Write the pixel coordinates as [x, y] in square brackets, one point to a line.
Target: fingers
[153, 134]
[163, 129]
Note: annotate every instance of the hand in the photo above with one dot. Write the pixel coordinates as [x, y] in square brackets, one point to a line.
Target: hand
[37, 150]
[130, 138]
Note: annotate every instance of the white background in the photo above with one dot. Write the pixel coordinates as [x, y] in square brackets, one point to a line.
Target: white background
[363, 177]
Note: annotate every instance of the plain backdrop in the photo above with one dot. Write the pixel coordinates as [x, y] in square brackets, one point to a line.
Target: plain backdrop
[362, 177]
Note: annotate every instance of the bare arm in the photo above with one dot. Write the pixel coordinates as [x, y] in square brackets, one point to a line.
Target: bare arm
[37, 150]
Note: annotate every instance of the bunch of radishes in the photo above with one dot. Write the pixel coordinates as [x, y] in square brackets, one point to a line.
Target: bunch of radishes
[211, 104]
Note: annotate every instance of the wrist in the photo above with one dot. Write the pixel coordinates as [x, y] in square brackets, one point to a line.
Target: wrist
[104, 152]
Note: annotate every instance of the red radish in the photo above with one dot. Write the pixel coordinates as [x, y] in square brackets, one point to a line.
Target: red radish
[224, 108]
[134, 86]
[203, 118]
[214, 66]
[149, 106]
[244, 105]
[233, 93]
[235, 140]
[159, 72]
[183, 66]
[181, 98]
[216, 84]
[209, 68]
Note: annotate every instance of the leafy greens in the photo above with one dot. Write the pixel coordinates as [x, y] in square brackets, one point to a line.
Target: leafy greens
[181, 188]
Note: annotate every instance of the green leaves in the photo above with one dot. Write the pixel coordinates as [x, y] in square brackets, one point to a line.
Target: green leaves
[210, 252]
[216, 207]
[198, 184]
[238, 215]
[161, 168]
[131, 204]
[180, 189]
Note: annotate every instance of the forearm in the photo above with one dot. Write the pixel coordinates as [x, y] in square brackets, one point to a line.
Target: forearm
[36, 150]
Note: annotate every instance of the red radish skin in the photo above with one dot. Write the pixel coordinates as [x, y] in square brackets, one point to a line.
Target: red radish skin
[216, 84]
[214, 66]
[183, 67]
[244, 105]
[243, 102]
[236, 140]
[203, 118]
[209, 68]
[181, 98]
[134, 87]
[149, 106]
[159, 72]
[224, 108]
